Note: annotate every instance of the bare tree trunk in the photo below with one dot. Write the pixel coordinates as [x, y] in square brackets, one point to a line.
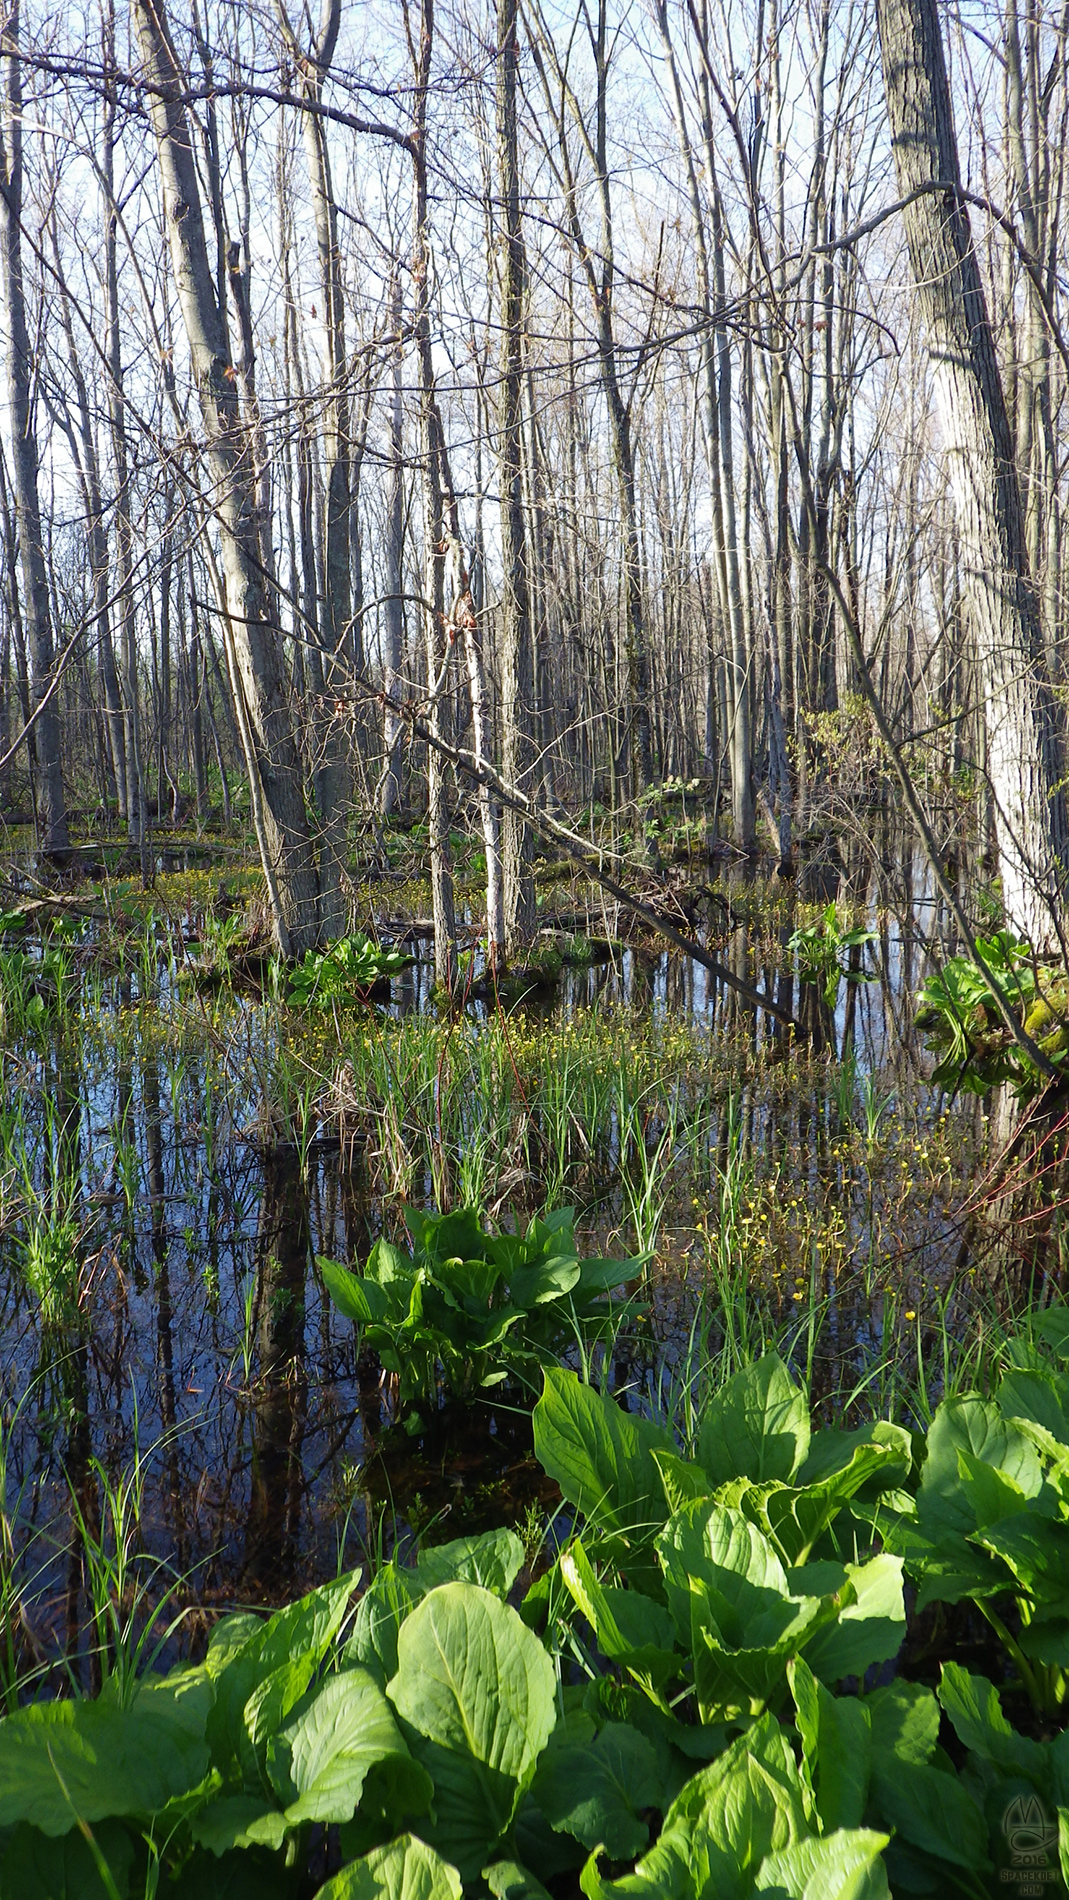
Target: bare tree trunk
[136, 798]
[84, 449]
[515, 656]
[50, 798]
[332, 773]
[439, 647]
[394, 556]
[1022, 726]
[253, 634]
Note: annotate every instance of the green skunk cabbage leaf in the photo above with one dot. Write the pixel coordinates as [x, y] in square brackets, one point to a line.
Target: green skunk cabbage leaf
[710, 1551]
[832, 1450]
[836, 1748]
[975, 1426]
[476, 1690]
[756, 1426]
[543, 1281]
[318, 1762]
[391, 1595]
[446, 1237]
[1046, 1639]
[265, 1711]
[974, 1708]
[237, 1820]
[977, 1471]
[508, 1880]
[933, 1811]
[868, 1630]
[1040, 1394]
[62, 1762]
[747, 1804]
[356, 1297]
[630, 1628]
[493, 1560]
[1035, 1550]
[230, 1634]
[735, 1607]
[597, 1790]
[406, 1869]
[843, 1866]
[904, 1719]
[601, 1456]
[683, 1482]
[269, 1673]
[795, 1516]
[36, 1866]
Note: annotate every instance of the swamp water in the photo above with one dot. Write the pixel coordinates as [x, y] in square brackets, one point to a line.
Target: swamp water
[174, 1159]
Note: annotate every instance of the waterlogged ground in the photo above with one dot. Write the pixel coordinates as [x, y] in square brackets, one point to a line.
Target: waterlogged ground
[175, 1155]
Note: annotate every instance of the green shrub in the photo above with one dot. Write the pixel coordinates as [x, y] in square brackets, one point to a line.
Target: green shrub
[468, 1309]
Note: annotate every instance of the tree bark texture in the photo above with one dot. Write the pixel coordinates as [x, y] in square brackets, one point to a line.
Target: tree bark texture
[253, 633]
[516, 652]
[36, 611]
[1021, 718]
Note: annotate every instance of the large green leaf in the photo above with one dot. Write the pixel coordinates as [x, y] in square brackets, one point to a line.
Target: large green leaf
[62, 1762]
[596, 1790]
[756, 1426]
[269, 1673]
[868, 1630]
[493, 1560]
[796, 1515]
[844, 1866]
[476, 1690]
[973, 1705]
[230, 1634]
[708, 1550]
[362, 1300]
[832, 1450]
[933, 1811]
[510, 1880]
[1040, 1394]
[406, 1869]
[735, 1607]
[630, 1628]
[747, 1804]
[601, 1456]
[1035, 1549]
[975, 1426]
[456, 1236]
[543, 1281]
[319, 1761]
[836, 1748]
[242, 1820]
[904, 1720]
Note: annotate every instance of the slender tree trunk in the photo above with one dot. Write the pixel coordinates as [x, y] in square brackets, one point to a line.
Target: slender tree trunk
[1022, 726]
[438, 643]
[50, 797]
[394, 556]
[332, 772]
[254, 637]
[85, 451]
[515, 655]
[137, 823]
